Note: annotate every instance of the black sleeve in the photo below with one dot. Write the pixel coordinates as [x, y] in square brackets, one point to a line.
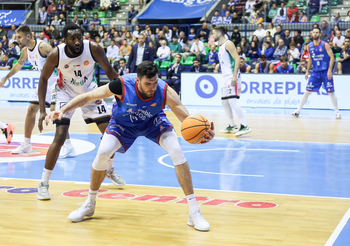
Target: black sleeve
[116, 86]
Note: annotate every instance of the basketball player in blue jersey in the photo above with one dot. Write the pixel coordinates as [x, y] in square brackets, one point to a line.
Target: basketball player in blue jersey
[244, 67]
[138, 111]
[284, 67]
[35, 51]
[322, 60]
[75, 61]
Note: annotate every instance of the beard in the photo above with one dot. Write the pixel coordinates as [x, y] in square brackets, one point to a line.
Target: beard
[216, 39]
[76, 50]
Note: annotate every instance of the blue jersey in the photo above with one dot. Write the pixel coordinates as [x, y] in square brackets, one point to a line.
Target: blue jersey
[319, 57]
[245, 68]
[132, 110]
[290, 69]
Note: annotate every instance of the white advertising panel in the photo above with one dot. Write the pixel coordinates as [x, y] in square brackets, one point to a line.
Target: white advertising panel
[262, 90]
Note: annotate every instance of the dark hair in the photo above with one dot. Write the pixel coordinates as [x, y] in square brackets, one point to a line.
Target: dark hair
[178, 54]
[185, 40]
[315, 25]
[195, 59]
[280, 26]
[26, 30]
[122, 59]
[255, 48]
[283, 59]
[302, 60]
[316, 28]
[70, 26]
[263, 57]
[195, 37]
[221, 29]
[217, 11]
[268, 43]
[148, 69]
[235, 28]
[298, 31]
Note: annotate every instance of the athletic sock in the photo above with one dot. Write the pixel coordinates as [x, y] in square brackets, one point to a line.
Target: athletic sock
[46, 175]
[303, 100]
[67, 141]
[3, 126]
[92, 196]
[27, 140]
[192, 202]
[334, 101]
[237, 108]
[110, 164]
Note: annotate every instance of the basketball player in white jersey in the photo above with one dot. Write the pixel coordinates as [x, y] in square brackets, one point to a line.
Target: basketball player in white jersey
[75, 61]
[36, 52]
[231, 83]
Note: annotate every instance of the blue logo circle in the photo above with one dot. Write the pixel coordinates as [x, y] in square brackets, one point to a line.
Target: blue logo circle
[206, 86]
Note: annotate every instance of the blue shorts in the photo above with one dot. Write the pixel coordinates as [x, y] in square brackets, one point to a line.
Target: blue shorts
[151, 129]
[320, 78]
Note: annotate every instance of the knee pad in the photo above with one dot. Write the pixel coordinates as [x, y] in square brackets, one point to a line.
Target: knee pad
[169, 141]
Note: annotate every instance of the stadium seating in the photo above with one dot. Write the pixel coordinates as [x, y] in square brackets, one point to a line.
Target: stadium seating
[189, 61]
[104, 21]
[101, 14]
[164, 65]
[315, 18]
[324, 11]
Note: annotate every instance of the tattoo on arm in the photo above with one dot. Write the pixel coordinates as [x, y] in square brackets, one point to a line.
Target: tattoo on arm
[45, 49]
[22, 60]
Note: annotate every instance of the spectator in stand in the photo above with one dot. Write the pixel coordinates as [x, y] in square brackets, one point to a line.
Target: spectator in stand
[299, 40]
[231, 3]
[267, 38]
[284, 10]
[98, 41]
[122, 69]
[236, 18]
[291, 10]
[223, 11]
[137, 31]
[236, 36]
[197, 49]
[347, 18]
[173, 74]
[239, 7]
[302, 16]
[344, 61]
[161, 38]
[76, 5]
[168, 33]
[257, 19]
[197, 67]
[175, 47]
[326, 29]
[203, 32]
[212, 59]
[131, 13]
[42, 16]
[263, 65]
[42, 37]
[125, 50]
[293, 54]
[249, 6]
[76, 20]
[280, 18]
[186, 47]
[254, 51]
[244, 67]
[84, 4]
[3, 32]
[314, 7]
[216, 19]
[62, 20]
[337, 17]
[101, 31]
[191, 35]
[338, 42]
[12, 52]
[11, 31]
[280, 51]
[284, 67]
[88, 36]
[55, 21]
[106, 41]
[302, 68]
[287, 38]
[62, 6]
[128, 37]
[55, 34]
[46, 3]
[176, 30]
[163, 53]
[5, 64]
[273, 12]
[271, 29]
[228, 18]
[264, 13]
[93, 32]
[181, 38]
[335, 29]
[239, 52]
[252, 13]
[324, 38]
[260, 32]
[279, 32]
[305, 55]
[47, 32]
[112, 52]
[95, 20]
[244, 44]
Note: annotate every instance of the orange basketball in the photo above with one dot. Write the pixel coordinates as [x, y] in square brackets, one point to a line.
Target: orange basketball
[193, 128]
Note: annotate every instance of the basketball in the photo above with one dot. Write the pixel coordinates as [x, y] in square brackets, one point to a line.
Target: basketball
[193, 128]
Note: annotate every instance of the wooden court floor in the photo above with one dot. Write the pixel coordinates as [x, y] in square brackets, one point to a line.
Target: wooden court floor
[298, 220]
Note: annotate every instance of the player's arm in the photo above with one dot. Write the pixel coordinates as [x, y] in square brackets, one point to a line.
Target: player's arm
[16, 67]
[100, 57]
[49, 66]
[256, 68]
[45, 49]
[231, 49]
[309, 63]
[331, 62]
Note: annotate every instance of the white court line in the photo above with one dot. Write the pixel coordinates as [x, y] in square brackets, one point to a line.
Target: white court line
[339, 228]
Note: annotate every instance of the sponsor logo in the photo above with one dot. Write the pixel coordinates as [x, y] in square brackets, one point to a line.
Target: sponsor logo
[36, 56]
[320, 49]
[86, 63]
[66, 66]
[62, 104]
[154, 104]
[76, 65]
[157, 121]
[129, 110]
[98, 101]
[130, 104]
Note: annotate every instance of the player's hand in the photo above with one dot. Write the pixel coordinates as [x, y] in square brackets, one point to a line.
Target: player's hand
[306, 74]
[329, 75]
[209, 134]
[234, 80]
[41, 119]
[53, 116]
[3, 81]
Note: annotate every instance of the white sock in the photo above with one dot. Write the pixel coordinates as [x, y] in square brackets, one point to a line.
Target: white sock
[334, 101]
[303, 100]
[2, 125]
[67, 141]
[192, 202]
[110, 164]
[237, 108]
[27, 140]
[92, 195]
[46, 175]
[228, 110]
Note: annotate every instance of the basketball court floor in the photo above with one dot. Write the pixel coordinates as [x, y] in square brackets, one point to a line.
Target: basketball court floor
[286, 183]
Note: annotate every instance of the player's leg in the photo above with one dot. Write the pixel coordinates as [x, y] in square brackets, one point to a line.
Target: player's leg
[169, 141]
[244, 128]
[108, 146]
[225, 93]
[7, 130]
[328, 85]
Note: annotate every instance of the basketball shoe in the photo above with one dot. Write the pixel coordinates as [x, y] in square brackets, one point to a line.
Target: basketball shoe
[67, 150]
[196, 220]
[230, 129]
[116, 179]
[43, 191]
[23, 148]
[295, 114]
[9, 132]
[338, 116]
[244, 130]
[87, 209]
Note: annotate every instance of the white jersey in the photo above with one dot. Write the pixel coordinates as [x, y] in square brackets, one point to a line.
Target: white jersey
[77, 75]
[227, 62]
[37, 61]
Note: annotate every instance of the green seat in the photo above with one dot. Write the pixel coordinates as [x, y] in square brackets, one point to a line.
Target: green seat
[301, 3]
[104, 21]
[110, 14]
[101, 14]
[247, 59]
[217, 48]
[295, 67]
[90, 15]
[14, 62]
[156, 62]
[71, 15]
[324, 11]
[207, 50]
[288, 5]
[123, 1]
[95, 10]
[165, 65]
[80, 15]
[334, 2]
[189, 61]
[315, 18]
[27, 67]
[337, 55]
